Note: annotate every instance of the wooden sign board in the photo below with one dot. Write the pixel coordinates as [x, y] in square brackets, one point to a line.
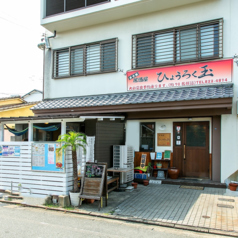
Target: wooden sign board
[163, 139]
[143, 161]
[93, 182]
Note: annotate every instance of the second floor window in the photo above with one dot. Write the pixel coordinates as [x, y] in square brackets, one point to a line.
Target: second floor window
[59, 6]
[100, 57]
[196, 42]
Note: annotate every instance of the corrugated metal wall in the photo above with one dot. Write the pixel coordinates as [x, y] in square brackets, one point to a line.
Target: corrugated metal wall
[107, 135]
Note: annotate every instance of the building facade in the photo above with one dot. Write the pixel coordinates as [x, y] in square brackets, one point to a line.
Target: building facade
[166, 66]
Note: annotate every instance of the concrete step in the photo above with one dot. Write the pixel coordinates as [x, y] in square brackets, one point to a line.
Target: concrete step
[195, 182]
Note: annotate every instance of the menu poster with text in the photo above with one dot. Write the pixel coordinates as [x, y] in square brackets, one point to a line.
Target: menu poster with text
[51, 153]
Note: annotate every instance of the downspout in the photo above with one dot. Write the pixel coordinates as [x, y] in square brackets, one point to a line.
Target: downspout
[43, 46]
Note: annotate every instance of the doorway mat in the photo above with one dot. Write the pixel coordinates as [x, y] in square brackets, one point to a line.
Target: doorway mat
[192, 187]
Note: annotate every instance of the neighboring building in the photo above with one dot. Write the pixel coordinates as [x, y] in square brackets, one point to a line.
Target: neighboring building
[166, 66]
[18, 106]
[33, 96]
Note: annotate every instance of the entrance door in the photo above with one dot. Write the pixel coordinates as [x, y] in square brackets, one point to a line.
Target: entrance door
[191, 149]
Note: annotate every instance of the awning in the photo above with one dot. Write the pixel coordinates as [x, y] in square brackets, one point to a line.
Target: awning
[214, 99]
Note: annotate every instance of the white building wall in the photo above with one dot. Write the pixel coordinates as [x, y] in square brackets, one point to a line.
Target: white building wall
[116, 82]
[133, 131]
[124, 29]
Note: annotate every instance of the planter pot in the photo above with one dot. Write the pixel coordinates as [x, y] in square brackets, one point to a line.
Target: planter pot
[233, 186]
[74, 199]
[146, 182]
[90, 200]
[159, 165]
[134, 185]
[173, 172]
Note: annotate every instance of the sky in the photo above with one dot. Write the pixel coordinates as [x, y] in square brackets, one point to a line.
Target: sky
[21, 67]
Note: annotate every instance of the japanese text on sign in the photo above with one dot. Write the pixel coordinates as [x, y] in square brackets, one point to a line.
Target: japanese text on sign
[185, 75]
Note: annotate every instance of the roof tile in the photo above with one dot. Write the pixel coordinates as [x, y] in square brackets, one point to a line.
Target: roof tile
[163, 95]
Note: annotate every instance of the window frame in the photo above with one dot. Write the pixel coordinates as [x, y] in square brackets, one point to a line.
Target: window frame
[148, 150]
[55, 69]
[49, 8]
[216, 45]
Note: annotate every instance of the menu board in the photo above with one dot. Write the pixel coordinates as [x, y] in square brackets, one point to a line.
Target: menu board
[45, 158]
[94, 171]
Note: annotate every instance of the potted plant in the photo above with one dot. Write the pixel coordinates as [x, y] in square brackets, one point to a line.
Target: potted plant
[233, 186]
[73, 140]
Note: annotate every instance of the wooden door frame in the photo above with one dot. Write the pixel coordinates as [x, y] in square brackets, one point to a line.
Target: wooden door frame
[179, 150]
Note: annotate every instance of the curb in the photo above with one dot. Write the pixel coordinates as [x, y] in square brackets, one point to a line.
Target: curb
[134, 220]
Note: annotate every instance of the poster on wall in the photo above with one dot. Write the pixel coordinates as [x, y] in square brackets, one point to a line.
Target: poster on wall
[10, 151]
[38, 152]
[46, 158]
[59, 158]
[51, 153]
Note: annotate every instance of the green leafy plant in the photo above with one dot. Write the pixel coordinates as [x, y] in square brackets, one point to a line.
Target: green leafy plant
[73, 140]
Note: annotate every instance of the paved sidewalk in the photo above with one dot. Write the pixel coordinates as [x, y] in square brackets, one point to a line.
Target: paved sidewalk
[212, 210]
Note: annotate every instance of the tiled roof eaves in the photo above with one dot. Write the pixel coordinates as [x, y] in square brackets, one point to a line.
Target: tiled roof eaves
[140, 97]
[18, 105]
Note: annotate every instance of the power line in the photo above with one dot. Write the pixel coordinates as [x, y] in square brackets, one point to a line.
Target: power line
[26, 28]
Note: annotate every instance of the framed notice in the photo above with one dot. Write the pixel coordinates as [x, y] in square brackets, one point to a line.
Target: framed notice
[143, 161]
[163, 139]
[45, 158]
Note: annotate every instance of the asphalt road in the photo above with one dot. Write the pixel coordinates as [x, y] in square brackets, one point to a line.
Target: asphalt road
[17, 221]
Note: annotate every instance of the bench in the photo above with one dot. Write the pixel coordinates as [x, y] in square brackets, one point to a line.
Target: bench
[112, 180]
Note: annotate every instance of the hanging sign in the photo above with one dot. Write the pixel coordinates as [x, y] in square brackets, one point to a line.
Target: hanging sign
[204, 73]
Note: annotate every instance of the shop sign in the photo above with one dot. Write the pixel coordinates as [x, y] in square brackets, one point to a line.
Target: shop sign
[214, 72]
[163, 139]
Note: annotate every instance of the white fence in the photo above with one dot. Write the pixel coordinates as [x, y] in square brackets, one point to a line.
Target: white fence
[16, 174]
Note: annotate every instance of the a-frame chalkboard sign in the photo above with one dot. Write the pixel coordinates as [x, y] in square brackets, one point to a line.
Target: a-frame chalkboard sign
[93, 183]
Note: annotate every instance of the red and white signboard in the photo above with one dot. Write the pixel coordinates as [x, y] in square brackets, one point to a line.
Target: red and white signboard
[183, 75]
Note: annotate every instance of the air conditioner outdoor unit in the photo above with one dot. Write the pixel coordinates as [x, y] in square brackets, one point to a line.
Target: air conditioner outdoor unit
[123, 157]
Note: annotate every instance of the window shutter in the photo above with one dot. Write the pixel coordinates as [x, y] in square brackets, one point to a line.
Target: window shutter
[93, 59]
[191, 43]
[108, 61]
[77, 61]
[61, 63]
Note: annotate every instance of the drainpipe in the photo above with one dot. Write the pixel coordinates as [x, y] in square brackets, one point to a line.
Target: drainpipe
[43, 46]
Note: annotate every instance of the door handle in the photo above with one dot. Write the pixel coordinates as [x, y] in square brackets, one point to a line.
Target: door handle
[184, 147]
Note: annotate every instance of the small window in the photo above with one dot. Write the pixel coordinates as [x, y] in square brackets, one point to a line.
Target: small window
[147, 136]
[196, 42]
[86, 59]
